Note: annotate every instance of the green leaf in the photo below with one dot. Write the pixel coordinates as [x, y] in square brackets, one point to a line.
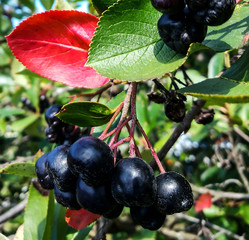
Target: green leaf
[232, 86]
[230, 34]
[62, 5]
[127, 46]
[10, 111]
[35, 215]
[215, 65]
[21, 124]
[47, 4]
[26, 169]
[85, 114]
[102, 5]
[50, 217]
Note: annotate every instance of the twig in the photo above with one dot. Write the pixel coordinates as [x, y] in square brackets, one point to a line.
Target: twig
[179, 235]
[13, 211]
[104, 225]
[241, 133]
[221, 194]
[210, 225]
[182, 127]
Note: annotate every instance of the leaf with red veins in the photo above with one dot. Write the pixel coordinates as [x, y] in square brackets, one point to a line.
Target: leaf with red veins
[80, 218]
[54, 44]
[204, 201]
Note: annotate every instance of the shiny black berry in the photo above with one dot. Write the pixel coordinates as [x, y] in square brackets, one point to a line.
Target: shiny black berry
[179, 31]
[43, 177]
[174, 193]
[57, 168]
[43, 103]
[92, 159]
[50, 115]
[212, 12]
[148, 217]
[115, 212]
[66, 199]
[133, 183]
[168, 6]
[97, 199]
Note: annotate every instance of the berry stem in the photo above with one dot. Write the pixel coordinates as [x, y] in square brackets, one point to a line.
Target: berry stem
[153, 152]
[134, 118]
[118, 109]
[135, 145]
[120, 142]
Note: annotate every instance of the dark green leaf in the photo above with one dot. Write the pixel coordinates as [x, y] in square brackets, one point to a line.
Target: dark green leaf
[230, 34]
[35, 215]
[102, 5]
[127, 46]
[232, 86]
[23, 123]
[50, 217]
[26, 169]
[85, 114]
[10, 111]
[47, 4]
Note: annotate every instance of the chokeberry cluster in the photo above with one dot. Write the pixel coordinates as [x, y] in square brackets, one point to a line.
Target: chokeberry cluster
[43, 103]
[185, 21]
[84, 175]
[58, 131]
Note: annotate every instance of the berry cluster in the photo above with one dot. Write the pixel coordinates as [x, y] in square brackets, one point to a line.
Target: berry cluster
[185, 21]
[84, 176]
[58, 131]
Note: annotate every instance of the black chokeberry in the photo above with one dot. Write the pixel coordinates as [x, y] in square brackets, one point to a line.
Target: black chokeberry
[115, 212]
[92, 159]
[168, 6]
[148, 217]
[43, 103]
[174, 193]
[179, 31]
[212, 12]
[133, 183]
[205, 116]
[66, 199]
[57, 168]
[50, 115]
[43, 177]
[97, 199]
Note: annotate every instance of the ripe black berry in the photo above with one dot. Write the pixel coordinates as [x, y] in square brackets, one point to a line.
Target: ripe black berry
[43, 103]
[58, 169]
[174, 193]
[92, 159]
[97, 199]
[148, 217]
[212, 12]
[66, 199]
[50, 115]
[179, 31]
[133, 183]
[117, 210]
[43, 177]
[168, 6]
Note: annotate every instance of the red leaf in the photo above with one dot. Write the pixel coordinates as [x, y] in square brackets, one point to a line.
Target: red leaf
[80, 218]
[54, 44]
[204, 201]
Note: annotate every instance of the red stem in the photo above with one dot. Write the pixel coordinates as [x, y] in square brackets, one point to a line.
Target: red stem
[120, 142]
[153, 152]
[119, 108]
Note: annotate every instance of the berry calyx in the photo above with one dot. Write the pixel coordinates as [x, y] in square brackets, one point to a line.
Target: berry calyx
[92, 159]
[174, 193]
[133, 183]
